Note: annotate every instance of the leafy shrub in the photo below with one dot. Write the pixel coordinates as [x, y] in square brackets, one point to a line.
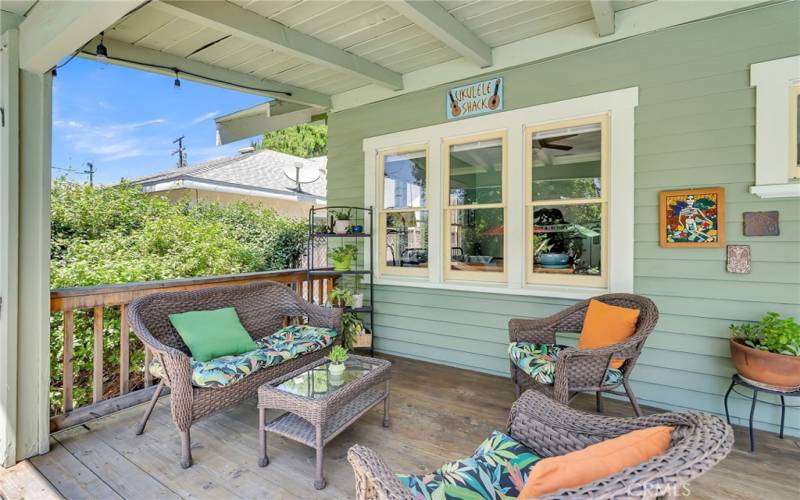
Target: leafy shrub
[110, 235]
[772, 333]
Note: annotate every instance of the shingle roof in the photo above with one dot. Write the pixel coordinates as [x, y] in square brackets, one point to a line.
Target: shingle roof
[262, 169]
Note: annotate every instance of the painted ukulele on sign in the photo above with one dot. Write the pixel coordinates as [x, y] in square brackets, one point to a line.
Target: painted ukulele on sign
[475, 99]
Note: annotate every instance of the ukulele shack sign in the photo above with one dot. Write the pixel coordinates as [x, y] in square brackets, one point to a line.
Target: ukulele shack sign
[475, 99]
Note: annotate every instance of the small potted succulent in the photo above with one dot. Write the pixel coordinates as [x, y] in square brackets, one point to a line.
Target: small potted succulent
[342, 221]
[339, 297]
[337, 357]
[343, 256]
[768, 351]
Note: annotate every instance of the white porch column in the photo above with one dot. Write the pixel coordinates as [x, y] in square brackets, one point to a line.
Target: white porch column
[9, 213]
[24, 257]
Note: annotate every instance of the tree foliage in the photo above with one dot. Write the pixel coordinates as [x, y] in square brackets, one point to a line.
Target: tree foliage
[305, 141]
[110, 235]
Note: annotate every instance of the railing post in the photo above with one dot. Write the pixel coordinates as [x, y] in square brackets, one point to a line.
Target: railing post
[124, 351]
[97, 379]
[67, 375]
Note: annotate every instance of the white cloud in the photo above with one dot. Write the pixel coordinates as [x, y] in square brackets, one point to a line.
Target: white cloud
[110, 142]
[203, 117]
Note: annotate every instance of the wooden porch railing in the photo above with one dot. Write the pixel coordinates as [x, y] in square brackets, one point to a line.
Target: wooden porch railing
[97, 298]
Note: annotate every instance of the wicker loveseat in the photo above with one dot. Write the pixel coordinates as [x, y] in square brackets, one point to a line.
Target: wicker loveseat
[583, 370]
[548, 428]
[262, 308]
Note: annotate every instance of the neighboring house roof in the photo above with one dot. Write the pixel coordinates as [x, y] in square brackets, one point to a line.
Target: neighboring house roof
[260, 173]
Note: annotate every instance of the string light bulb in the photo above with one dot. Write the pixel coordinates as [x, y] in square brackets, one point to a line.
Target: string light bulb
[101, 52]
[177, 83]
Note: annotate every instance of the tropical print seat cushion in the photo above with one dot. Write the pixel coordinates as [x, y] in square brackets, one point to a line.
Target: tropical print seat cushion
[285, 344]
[497, 470]
[539, 361]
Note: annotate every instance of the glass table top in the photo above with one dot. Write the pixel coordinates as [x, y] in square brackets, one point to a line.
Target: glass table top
[318, 382]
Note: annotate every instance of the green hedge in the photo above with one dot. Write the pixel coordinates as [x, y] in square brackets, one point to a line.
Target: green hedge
[109, 235]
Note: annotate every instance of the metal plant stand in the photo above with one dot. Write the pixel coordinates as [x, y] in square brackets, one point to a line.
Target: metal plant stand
[360, 216]
[757, 387]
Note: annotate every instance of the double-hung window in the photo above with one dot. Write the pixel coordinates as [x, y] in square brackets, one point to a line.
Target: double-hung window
[403, 217]
[566, 202]
[530, 201]
[474, 207]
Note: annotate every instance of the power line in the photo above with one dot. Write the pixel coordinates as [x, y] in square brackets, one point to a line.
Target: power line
[90, 171]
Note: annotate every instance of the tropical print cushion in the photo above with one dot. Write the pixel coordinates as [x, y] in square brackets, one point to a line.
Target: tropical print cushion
[217, 372]
[291, 341]
[285, 344]
[539, 361]
[497, 470]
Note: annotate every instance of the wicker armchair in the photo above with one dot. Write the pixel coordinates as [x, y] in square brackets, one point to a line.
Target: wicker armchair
[549, 428]
[584, 370]
[262, 308]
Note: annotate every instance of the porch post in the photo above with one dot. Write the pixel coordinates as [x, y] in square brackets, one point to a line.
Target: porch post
[33, 342]
[9, 189]
[24, 257]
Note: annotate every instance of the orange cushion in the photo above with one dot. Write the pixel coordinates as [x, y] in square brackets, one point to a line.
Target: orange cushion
[595, 462]
[607, 325]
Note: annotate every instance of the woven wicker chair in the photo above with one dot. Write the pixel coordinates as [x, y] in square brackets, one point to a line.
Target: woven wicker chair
[262, 308]
[549, 428]
[584, 370]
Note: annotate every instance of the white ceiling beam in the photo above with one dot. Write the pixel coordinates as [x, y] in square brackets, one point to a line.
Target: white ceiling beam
[53, 30]
[431, 17]
[261, 119]
[125, 54]
[603, 17]
[229, 18]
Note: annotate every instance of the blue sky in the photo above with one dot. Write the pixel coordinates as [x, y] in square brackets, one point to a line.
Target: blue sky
[124, 120]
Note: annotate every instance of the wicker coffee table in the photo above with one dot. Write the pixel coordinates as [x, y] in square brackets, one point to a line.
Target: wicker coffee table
[320, 405]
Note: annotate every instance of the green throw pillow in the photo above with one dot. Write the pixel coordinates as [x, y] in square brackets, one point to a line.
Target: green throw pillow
[211, 334]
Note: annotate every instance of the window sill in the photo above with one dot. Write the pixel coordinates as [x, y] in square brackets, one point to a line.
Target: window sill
[788, 190]
[548, 291]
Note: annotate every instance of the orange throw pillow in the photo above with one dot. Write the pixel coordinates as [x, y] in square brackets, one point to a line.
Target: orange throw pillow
[606, 325]
[595, 462]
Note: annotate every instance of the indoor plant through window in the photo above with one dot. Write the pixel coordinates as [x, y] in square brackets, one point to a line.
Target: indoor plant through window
[768, 351]
[337, 357]
[343, 256]
[339, 297]
[342, 221]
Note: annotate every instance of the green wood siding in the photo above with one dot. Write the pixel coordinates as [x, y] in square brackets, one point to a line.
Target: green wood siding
[695, 126]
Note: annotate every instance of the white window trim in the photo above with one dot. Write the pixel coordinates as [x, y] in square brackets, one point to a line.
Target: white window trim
[619, 104]
[772, 80]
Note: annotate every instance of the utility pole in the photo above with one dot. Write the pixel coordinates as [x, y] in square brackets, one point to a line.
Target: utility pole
[91, 172]
[181, 152]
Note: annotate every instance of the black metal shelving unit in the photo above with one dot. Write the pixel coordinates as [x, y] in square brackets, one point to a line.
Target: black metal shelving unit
[361, 216]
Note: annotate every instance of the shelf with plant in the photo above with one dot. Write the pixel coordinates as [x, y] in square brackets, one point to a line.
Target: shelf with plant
[343, 257]
[768, 351]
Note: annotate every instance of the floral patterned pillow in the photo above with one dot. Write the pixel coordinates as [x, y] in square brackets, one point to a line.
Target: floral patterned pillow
[497, 470]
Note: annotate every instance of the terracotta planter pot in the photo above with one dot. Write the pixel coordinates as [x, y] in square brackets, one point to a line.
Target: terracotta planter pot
[765, 367]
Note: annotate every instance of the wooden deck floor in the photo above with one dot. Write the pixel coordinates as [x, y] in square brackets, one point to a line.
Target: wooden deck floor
[438, 414]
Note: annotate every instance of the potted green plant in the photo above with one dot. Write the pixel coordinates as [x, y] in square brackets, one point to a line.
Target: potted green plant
[339, 297]
[352, 327]
[337, 357]
[343, 256]
[342, 220]
[768, 351]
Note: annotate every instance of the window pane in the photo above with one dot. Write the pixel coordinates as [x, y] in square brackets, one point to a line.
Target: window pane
[476, 173]
[566, 239]
[476, 240]
[404, 180]
[566, 163]
[407, 239]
